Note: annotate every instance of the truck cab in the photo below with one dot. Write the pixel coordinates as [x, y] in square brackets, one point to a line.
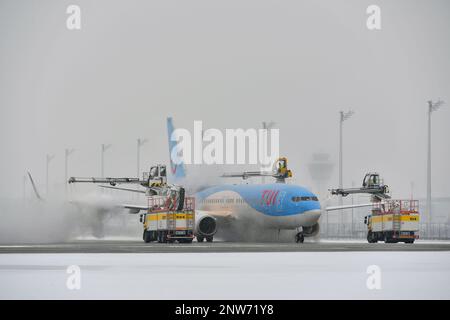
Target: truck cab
[157, 176]
[368, 222]
[371, 180]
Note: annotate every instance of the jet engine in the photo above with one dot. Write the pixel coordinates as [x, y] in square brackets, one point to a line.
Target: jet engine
[205, 225]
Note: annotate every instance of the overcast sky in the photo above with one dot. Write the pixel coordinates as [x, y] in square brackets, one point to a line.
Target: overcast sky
[232, 64]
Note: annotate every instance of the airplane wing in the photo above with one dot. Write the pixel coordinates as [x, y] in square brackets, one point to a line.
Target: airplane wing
[349, 206]
[219, 214]
[101, 205]
[134, 209]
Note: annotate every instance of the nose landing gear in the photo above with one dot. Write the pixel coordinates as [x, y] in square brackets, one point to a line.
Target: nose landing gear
[299, 237]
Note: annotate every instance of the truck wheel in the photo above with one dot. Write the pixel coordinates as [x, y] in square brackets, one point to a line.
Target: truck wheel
[200, 239]
[209, 239]
[371, 237]
[148, 236]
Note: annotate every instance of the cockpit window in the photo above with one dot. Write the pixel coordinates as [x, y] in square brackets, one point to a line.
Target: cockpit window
[298, 199]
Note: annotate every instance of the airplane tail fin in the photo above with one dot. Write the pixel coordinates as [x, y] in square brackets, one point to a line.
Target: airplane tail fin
[177, 170]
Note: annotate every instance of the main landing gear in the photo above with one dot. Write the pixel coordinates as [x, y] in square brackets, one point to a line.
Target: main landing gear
[299, 237]
[208, 238]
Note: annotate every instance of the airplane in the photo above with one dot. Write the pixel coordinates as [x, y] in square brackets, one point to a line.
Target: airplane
[272, 206]
[237, 209]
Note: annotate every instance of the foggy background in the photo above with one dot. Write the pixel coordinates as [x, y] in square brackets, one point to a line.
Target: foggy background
[231, 64]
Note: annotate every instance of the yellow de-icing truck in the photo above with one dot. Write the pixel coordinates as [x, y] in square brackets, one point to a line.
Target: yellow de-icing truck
[165, 225]
[393, 221]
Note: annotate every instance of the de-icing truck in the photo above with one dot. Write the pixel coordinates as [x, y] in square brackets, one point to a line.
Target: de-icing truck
[393, 221]
[164, 222]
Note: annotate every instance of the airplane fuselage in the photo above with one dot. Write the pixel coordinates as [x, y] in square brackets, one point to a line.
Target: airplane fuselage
[275, 205]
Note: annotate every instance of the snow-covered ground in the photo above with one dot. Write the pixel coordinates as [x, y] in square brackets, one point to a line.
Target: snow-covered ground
[365, 241]
[291, 275]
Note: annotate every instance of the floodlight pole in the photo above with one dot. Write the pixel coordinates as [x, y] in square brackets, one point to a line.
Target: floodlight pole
[353, 214]
[432, 106]
[67, 153]
[343, 116]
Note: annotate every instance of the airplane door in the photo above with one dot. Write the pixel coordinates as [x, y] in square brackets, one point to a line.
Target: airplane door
[280, 200]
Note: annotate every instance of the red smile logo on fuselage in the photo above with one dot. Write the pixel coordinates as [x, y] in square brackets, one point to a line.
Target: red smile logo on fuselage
[268, 197]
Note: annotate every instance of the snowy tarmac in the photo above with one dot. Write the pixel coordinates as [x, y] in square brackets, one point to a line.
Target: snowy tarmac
[124, 269]
[242, 275]
[138, 246]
